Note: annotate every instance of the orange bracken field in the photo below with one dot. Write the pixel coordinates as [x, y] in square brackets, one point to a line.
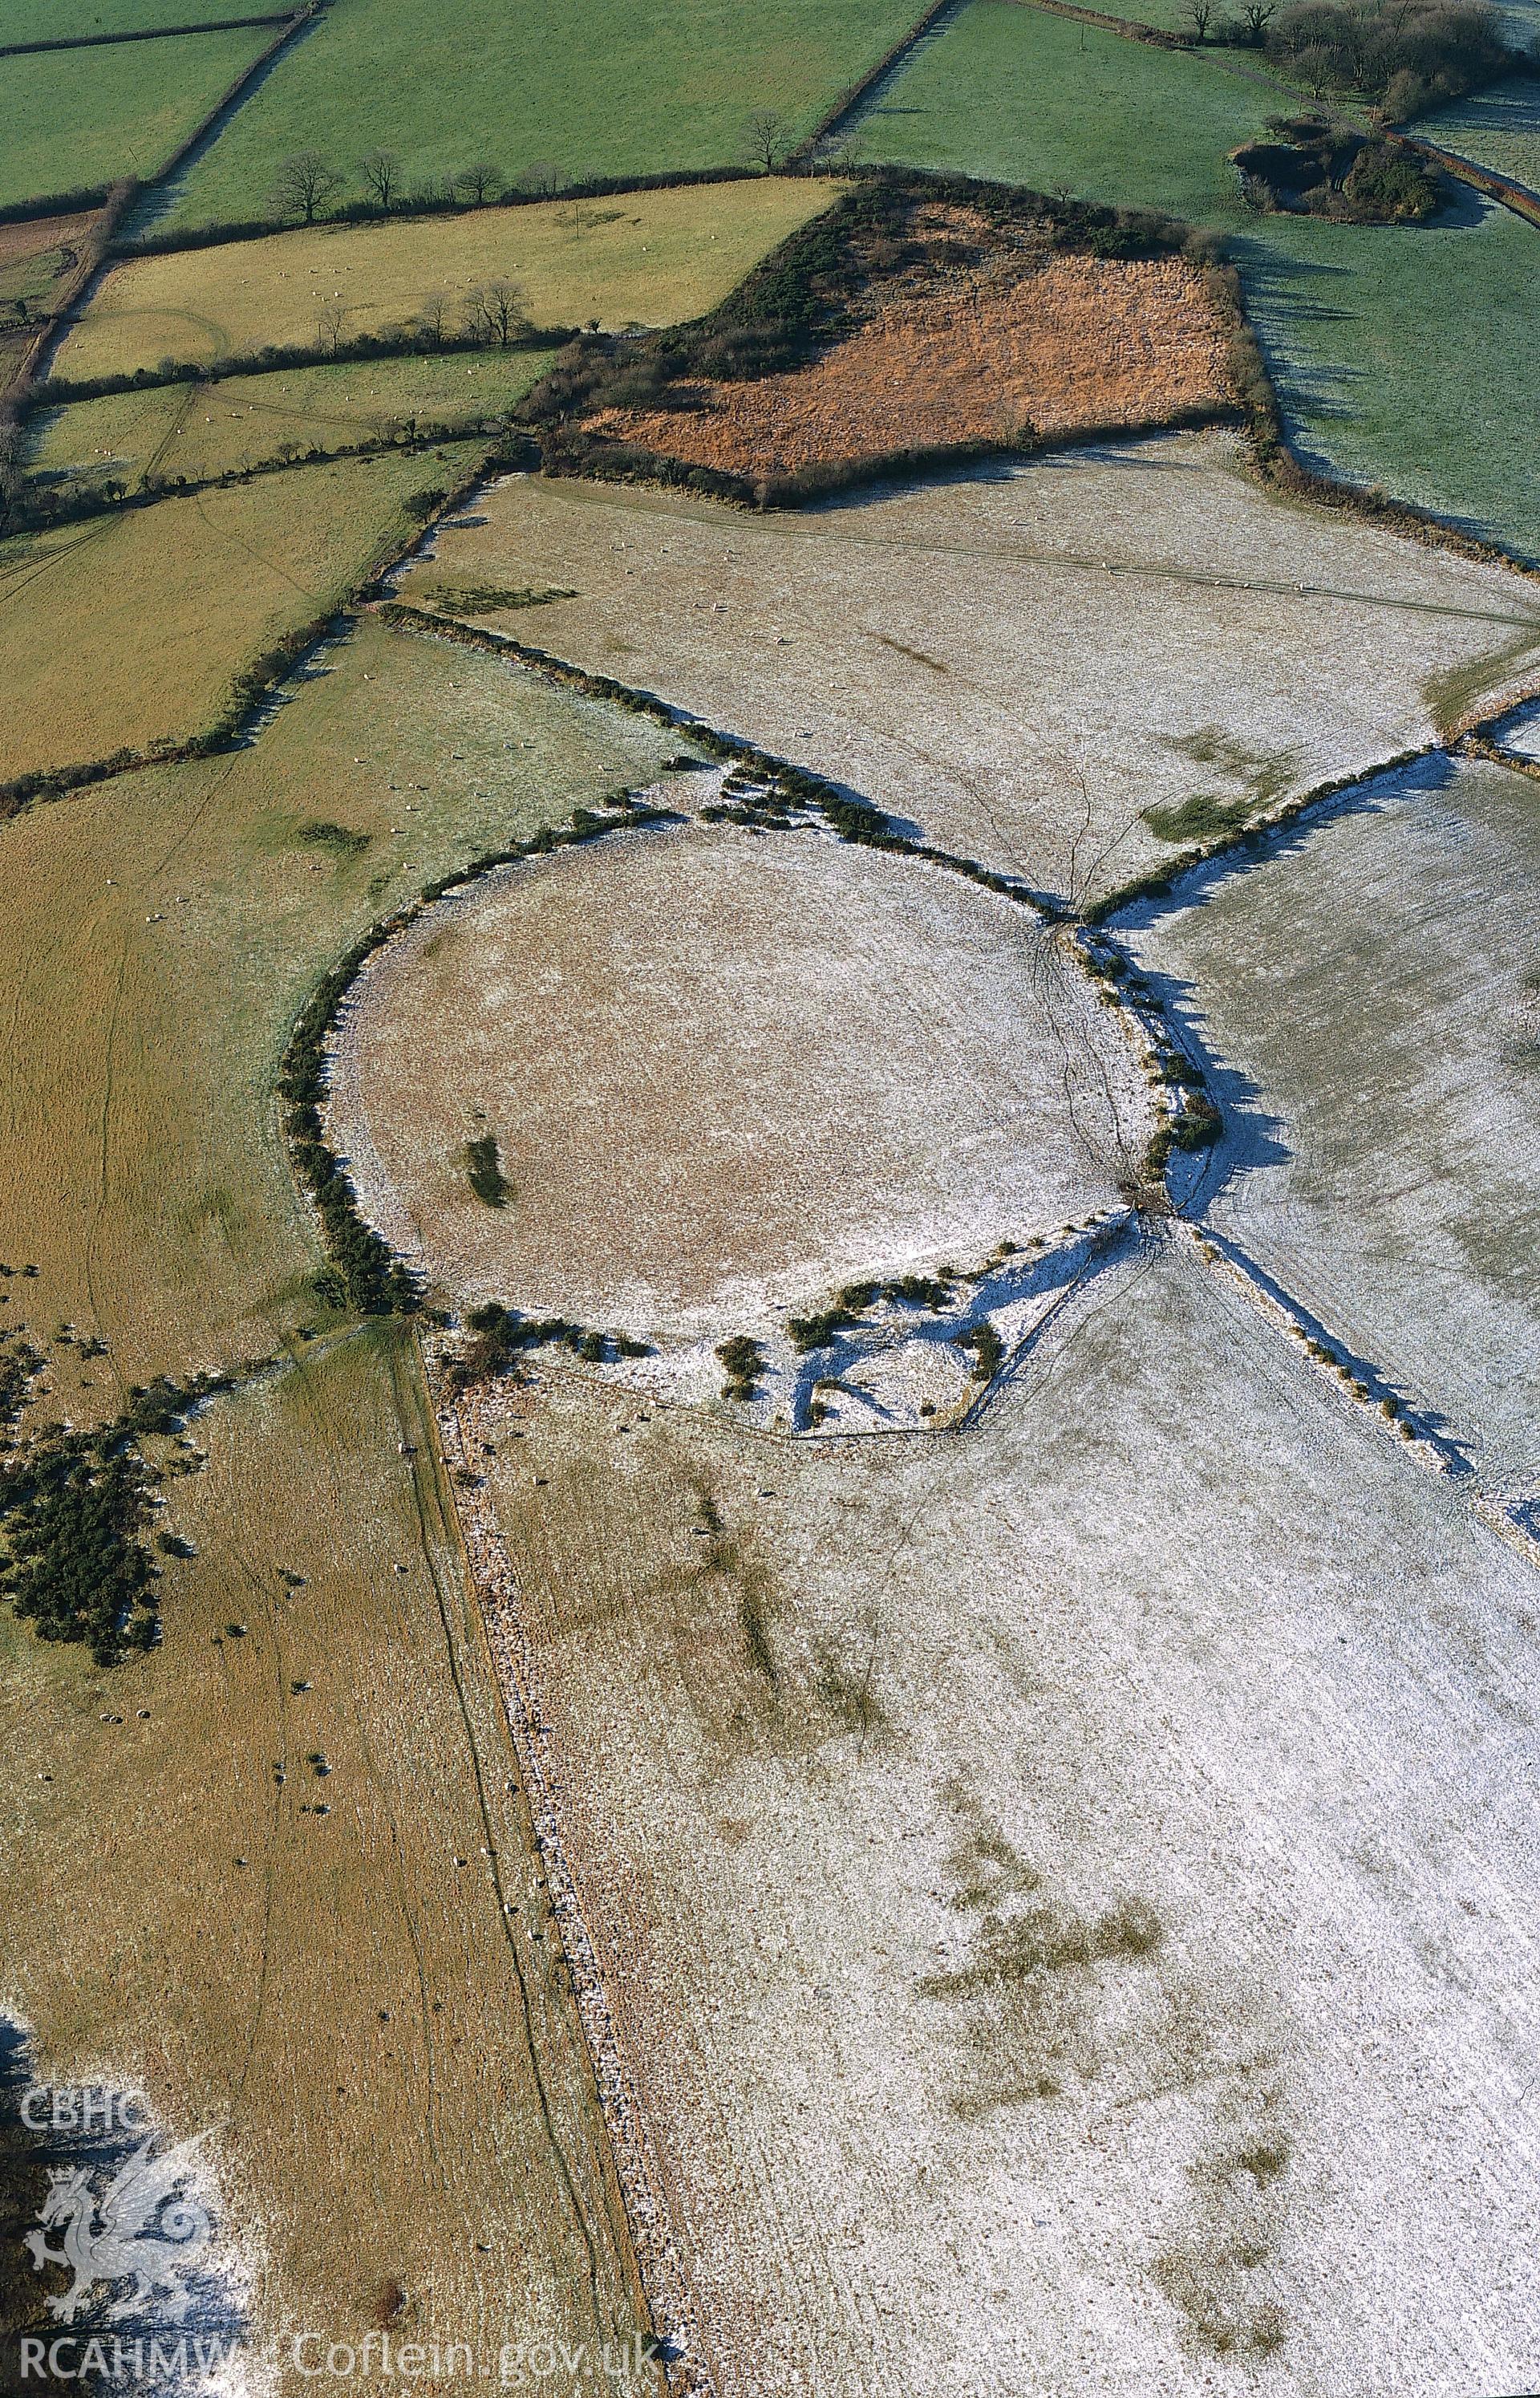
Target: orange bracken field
[1068, 345]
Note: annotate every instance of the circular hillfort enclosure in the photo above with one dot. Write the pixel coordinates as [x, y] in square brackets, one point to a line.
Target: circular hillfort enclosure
[723, 1074]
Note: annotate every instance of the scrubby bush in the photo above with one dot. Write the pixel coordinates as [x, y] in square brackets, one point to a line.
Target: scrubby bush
[484, 1171]
[745, 1360]
[1317, 169]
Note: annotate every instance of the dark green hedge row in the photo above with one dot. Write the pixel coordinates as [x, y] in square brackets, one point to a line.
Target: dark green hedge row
[142, 34]
[60, 390]
[597, 187]
[369, 1276]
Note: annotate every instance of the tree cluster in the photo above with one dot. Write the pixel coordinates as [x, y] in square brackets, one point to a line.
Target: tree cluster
[1404, 57]
[500, 1335]
[308, 182]
[1317, 169]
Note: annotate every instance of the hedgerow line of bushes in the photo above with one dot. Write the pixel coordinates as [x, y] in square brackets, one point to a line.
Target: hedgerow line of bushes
[1401, 61]
[143, 34]
[443, 200]
[250, 689]
[272, 357]
[1160, 882]
[365, 1274]
[38, 507]
[74, 1508]
[855, 94]
[787, 787]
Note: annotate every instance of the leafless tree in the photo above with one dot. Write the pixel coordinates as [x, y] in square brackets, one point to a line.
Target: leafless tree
[1258, 14]
[1200, 16]
[301, 183]
[497, 314]
[769, 137]
[543, 176]
[382, 174]
[331, 325]
[431, 318]
[480, 183]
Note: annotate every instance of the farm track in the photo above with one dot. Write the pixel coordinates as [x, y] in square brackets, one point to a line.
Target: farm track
[1158, 571]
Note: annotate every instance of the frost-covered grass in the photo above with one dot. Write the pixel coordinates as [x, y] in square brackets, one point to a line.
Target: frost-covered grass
[1374, 985]
[1026, 658]
[1499, 128]
[728, 1076]
[1016, 1868]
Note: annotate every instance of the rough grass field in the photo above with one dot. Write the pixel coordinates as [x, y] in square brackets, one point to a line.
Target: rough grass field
[200, 431]
[72, 119]
[165, 930]
[1023, 659]
[625, 89]
[1029, 1934]
[907, 1073]
[405, 2100]
[1499, 128]
[1078, 343]
[219, 576]
[643, 257]
[1374, 986]
[1407, 358]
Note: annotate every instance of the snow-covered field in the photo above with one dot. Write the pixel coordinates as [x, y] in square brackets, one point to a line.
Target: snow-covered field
[1067, 1894]
[727, 1074]
[1021, 658]
[1371, 990]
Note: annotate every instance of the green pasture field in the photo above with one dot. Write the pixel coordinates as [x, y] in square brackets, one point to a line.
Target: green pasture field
[1406, 357]
[1499, 128]
[1410, 357]
[72, 119]
[610, 87]
[641, 257]
[58, 21]
[367, 2003]
[166, 929]
[1016, 94]
[200, 430]
[128, 629]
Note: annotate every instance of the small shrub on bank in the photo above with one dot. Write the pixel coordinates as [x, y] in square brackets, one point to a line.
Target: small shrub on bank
[484, 1171]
